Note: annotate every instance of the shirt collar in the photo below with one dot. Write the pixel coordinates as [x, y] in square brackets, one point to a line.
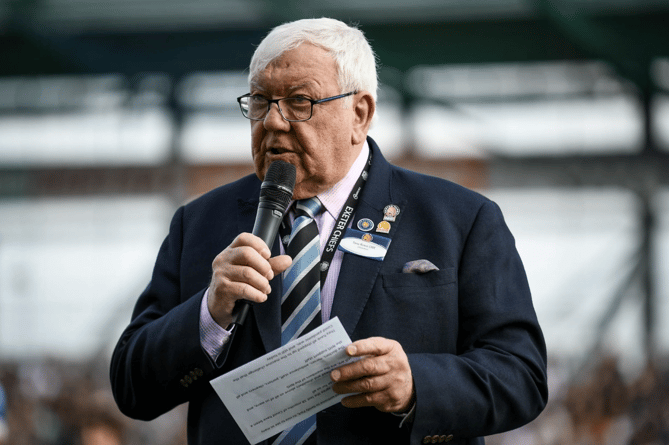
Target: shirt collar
[335, 197]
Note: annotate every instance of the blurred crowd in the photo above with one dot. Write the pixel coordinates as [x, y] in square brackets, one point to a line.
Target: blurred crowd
[59, 403]
[601, 407]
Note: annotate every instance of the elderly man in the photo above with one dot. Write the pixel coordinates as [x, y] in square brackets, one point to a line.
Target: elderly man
[443, 322]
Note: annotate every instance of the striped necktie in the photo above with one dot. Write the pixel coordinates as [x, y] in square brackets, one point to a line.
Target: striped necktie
[301, 299]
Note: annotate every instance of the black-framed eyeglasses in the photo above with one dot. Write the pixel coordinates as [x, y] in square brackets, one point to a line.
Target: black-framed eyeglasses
[292, 109]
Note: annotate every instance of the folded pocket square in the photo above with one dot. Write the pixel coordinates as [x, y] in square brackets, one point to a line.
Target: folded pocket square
[419, 266]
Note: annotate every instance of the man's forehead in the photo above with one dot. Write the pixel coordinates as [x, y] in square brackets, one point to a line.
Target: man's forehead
[263, 84]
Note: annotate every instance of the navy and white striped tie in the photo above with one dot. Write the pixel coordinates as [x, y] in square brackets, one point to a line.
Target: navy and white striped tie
[301, 299]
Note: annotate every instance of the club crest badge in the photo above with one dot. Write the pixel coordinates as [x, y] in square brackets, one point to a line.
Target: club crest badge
[365, 224]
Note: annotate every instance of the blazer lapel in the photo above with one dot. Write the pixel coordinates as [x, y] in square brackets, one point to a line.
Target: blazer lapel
[358, 274]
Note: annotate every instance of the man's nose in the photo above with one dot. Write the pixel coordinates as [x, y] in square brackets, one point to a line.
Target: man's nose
[274, 120]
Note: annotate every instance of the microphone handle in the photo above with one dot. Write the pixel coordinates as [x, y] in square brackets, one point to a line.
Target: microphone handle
[268, 220]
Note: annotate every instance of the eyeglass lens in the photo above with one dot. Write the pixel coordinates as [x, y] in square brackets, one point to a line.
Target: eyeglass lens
[292, 108]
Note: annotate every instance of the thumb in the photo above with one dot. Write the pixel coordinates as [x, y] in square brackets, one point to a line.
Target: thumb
[280, 263]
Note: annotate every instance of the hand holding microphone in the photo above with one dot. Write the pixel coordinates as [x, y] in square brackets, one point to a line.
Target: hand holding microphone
[242, 271]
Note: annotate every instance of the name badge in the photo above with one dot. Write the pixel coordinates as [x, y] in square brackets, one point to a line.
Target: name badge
[365, 244]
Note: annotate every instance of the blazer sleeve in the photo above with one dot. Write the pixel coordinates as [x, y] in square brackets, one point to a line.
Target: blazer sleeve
[497, 379]
[158, 362]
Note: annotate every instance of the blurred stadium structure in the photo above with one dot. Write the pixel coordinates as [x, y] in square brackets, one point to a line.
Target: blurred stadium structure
[113, 113]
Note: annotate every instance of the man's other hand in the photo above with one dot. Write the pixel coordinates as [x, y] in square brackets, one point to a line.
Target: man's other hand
[382, 377]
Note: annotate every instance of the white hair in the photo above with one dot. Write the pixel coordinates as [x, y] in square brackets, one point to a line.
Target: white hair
[355, 60]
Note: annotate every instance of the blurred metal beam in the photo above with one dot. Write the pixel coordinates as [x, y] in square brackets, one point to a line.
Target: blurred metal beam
[634, 172]
[643, 171]
[27, 50]
[76, 15]
[177, 183]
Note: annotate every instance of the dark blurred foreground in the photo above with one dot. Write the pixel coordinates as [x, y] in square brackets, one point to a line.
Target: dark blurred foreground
[58, 403]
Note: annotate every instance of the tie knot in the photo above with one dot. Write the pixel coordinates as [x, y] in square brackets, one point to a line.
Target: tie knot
[311, 207]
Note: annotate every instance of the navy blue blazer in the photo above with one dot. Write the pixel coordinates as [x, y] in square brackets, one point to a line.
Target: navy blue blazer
[469, 329]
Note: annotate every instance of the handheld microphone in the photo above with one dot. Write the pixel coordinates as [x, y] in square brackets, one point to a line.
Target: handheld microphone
[276, 192]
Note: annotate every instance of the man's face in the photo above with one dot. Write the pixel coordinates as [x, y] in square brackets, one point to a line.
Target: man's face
[322, 148]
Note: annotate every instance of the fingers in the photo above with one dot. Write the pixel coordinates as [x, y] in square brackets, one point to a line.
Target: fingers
[249, 250]
[381, 378]
[369, 384]
[250, 240]
[240, 283]
[280, 263]
[374, 350]
[242, 270]
[388, 400]
[371, 346]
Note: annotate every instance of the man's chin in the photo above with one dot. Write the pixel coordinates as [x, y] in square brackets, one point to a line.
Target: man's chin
[261, 170]
[301, 192]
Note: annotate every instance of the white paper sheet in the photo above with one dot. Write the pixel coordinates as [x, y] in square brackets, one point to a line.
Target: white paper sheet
[284, 387]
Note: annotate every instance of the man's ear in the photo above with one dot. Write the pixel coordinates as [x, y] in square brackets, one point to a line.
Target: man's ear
[364, 108]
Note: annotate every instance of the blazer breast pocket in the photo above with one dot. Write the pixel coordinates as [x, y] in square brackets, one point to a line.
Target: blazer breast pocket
[425, 306]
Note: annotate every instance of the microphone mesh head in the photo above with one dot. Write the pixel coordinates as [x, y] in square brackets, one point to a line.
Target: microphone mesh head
[280, 172]
[279, 183]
